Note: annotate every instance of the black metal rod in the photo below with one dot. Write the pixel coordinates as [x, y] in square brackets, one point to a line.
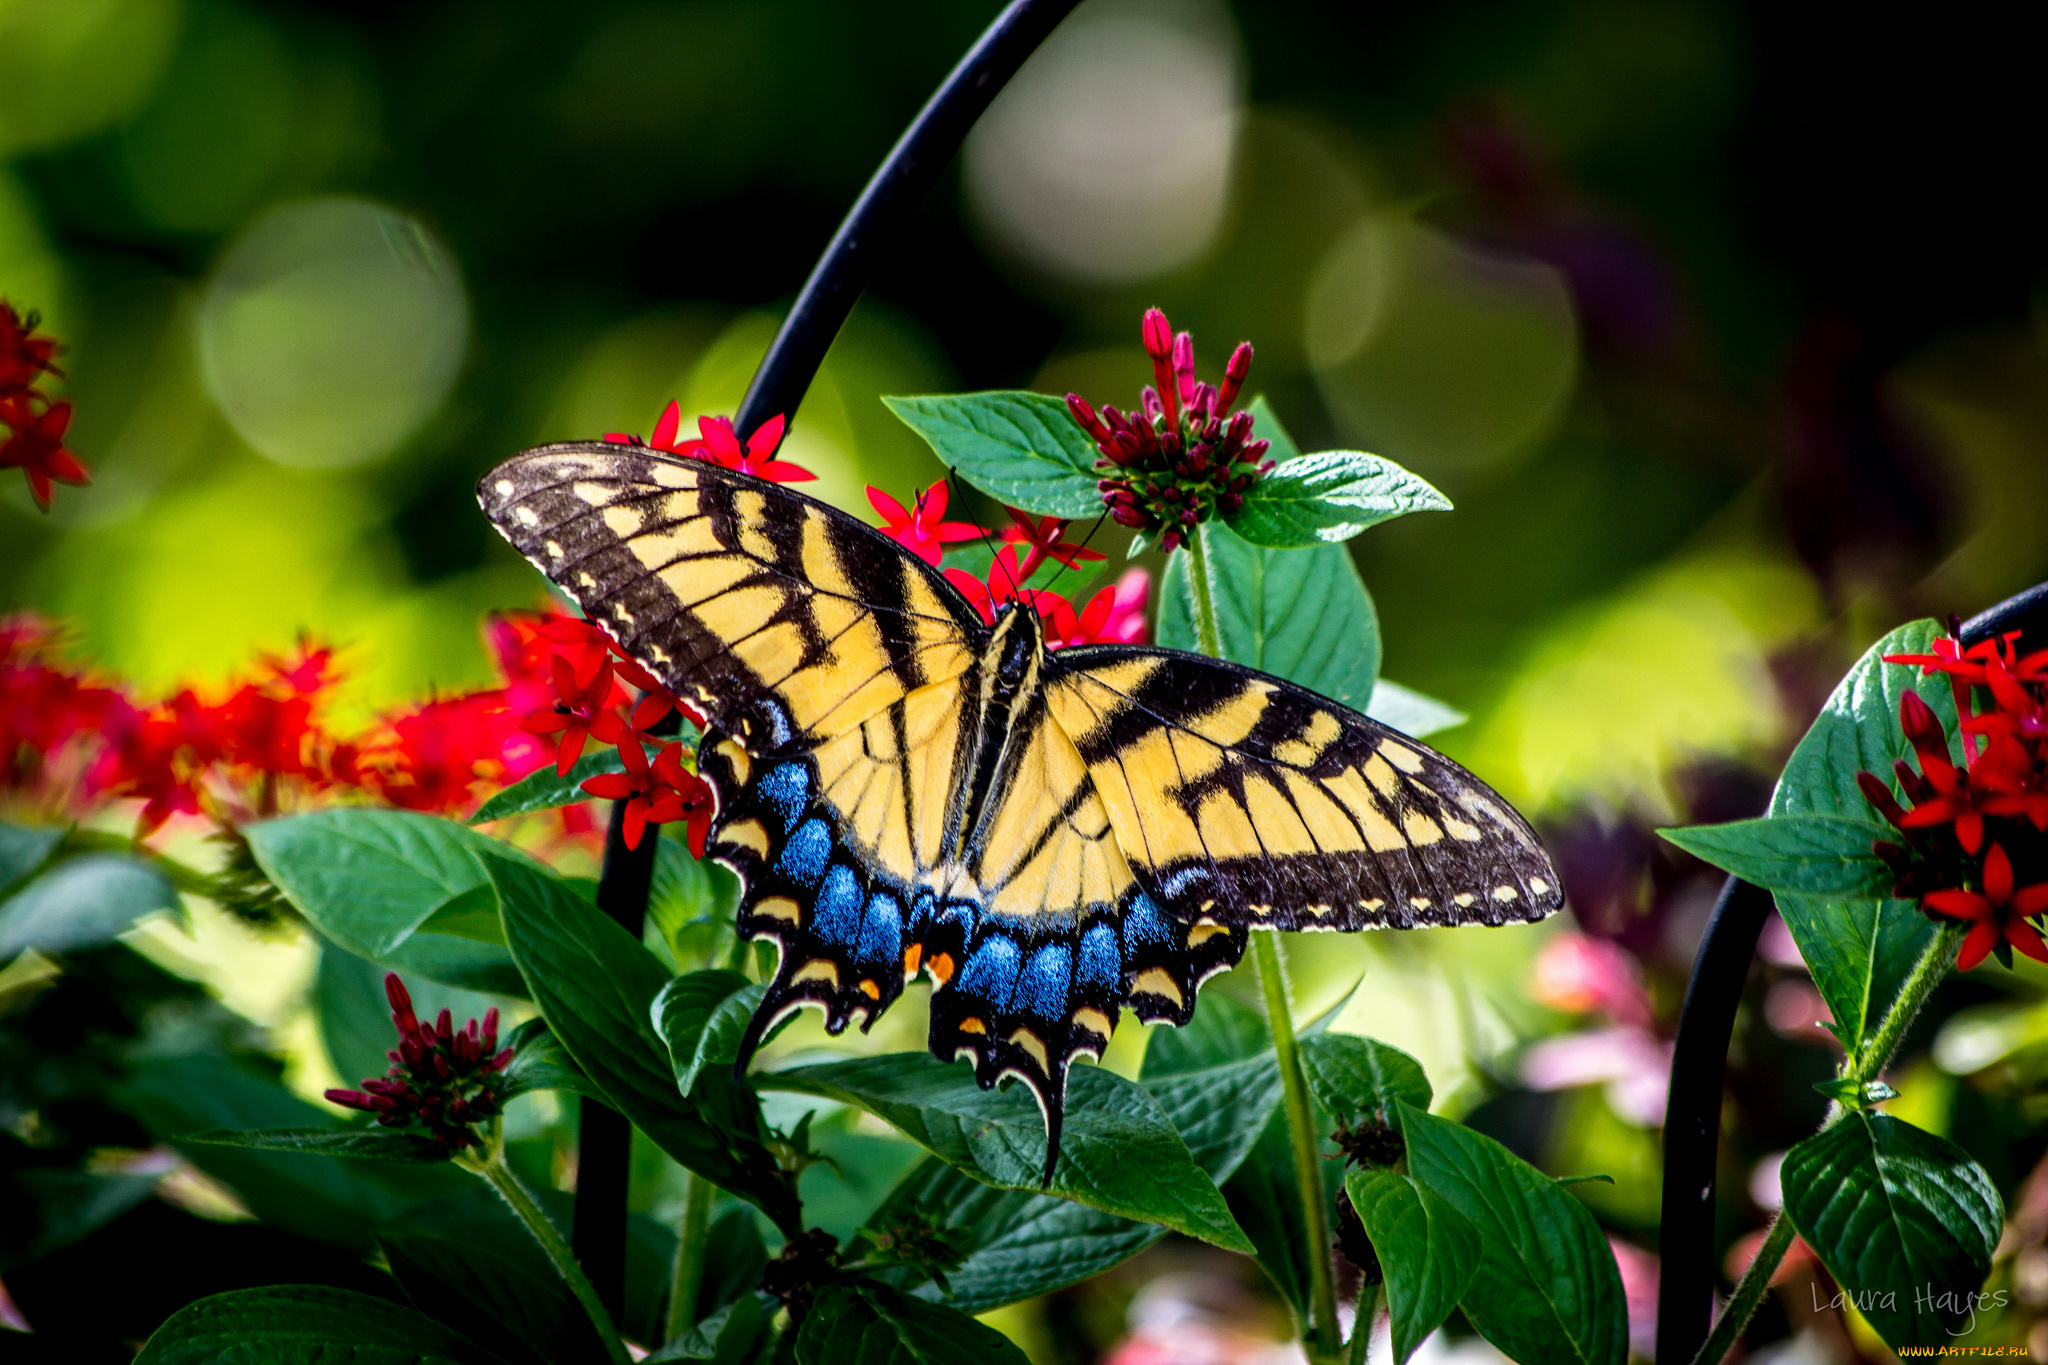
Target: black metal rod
[1699, 1061]
[1692, 1119]
[604, 1138]
[905, 176]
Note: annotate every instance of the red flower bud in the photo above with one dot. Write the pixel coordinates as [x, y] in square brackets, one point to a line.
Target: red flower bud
[1233, 376]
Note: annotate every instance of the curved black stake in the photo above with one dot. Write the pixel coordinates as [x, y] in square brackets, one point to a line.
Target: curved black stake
[604, 1138]
[898, 187]
[1699, 1060]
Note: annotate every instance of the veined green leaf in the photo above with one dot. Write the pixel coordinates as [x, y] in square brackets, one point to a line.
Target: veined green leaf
[1428, 1251]
[1329, 497]
[1860, 948]
[81, 902]
[872, 1324]
[1355, 1078]
[1815, 855]
[363, 1144]
[1545, 1287]
[1903, 1219]
[701, 1016]
[305, 1324]
[1118, 1153]
[1021, 448]
[544, 789]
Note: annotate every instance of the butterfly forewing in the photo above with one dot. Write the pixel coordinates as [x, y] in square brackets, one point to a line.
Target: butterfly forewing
[775, 615]
[1242, 800]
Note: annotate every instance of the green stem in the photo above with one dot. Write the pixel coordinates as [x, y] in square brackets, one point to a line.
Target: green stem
[1361, 1330]
[1301, 1136]
[1749, 1292]
[1205, 601]
[690, 1236]
[1865, 1066]
[492, 1168]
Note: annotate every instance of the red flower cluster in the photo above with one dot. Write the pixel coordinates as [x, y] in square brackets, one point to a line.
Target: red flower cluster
[1183, 458]
[35, 426]
[718, 443]
[1974, 845]
[441, 1078]
[261, 745]
[1115, 614]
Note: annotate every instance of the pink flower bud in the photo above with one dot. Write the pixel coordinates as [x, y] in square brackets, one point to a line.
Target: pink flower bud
[1233, 376]
[1157, 334]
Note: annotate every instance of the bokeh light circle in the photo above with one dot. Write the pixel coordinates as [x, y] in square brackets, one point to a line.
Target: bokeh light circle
[1107, 159]
[331, 331]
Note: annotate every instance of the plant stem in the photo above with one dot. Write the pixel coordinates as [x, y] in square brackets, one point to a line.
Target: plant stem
[1361, 1328]
[682, 1298]
[1205, 602]
[1749, 1292]
[1930, 971]
[1301, 1135]
[493, 1169]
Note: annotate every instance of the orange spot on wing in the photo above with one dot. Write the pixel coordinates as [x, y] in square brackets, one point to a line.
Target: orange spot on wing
[911, 957]
[941, 967]
[870, 990]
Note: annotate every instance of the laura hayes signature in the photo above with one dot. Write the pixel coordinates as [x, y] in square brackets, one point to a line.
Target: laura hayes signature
[1926, 1299]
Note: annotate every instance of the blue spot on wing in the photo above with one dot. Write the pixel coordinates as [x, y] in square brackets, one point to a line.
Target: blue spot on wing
[1042, 986]
[805, 855]
[787, 788]
[1102, 961]
[991, 972]
[836, 913]
[1145, 925]
[881, 930]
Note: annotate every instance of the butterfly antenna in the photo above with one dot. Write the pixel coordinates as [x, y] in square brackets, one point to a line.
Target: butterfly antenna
[994, 550]
[1068, 563]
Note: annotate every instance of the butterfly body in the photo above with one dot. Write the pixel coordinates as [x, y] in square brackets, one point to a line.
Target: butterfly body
[1049, 836]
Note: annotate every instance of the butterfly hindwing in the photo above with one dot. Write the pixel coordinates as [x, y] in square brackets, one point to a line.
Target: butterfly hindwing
[777, 616]
[1241, 799]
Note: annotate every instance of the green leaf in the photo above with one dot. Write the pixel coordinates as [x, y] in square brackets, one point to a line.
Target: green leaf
[545, 789]
[540, 1062]
[370, 879]
[81, 902]
[1904, 1220]
[1301, 614]
[1021, 448]
[1018, 1244]
[1815, 855]
[1545, 1287]
[1410, 712]
[1119, 1153]
[1265, 1198]
[23, 849]
[596, 987]
[304, 1324]
[1851, 1093]
[498, 1291]
[691, 902]
[1216, 1081]
[701, 1016]
[1355, 1078]
[1330, 497]
[1860, 949]
[363, 1144]
[733, 1262]
[872, 1324]
[1428, 1251]
[727, 1337]
[337, 1202]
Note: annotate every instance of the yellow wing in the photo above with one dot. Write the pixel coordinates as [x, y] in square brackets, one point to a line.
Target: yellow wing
[1242, 800]
[780, 618]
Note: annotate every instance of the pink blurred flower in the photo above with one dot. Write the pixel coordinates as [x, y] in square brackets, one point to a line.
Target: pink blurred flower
[1639, 1288]
[1633, 1063]
[1578, 974]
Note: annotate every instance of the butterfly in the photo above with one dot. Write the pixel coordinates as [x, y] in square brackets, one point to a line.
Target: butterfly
[1048, 836]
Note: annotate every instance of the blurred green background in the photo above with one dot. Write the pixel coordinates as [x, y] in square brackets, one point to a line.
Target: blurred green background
[1721, 324]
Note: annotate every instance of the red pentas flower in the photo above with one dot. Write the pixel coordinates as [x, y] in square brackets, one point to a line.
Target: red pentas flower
[660, 792]
[923, 531]
[24, 357]
[1184, 457]
[1115, 615]
[36, 447]
[1004, 584]
[1044, 539]
[1997, 912]
[1975, 831]
[442, 1078]
[717, 442]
